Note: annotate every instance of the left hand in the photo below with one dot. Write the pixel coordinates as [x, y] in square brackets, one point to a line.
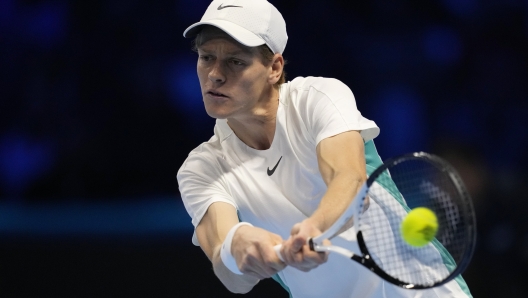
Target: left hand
[296, 252]
[253, 251]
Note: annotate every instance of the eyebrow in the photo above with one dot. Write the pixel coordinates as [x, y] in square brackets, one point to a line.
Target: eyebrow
[231, 53]
[240, 52]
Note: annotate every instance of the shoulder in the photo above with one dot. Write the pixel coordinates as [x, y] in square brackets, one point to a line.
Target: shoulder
[201, 159]
[305, 87]
[315, 90]
[316, 83]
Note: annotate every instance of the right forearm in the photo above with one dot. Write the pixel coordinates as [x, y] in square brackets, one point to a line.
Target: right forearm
[251, 243]
[233, 282]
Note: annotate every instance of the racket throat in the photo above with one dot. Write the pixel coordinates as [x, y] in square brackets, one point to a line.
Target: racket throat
[365, 261]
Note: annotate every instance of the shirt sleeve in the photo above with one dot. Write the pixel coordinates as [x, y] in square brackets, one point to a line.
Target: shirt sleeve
[330, 109]
[201, 185]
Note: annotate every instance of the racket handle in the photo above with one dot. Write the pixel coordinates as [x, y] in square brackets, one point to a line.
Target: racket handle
[277, 249]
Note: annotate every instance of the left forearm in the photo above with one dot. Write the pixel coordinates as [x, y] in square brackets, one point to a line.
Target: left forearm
[342, 166]
[341, 160]
[341, 191]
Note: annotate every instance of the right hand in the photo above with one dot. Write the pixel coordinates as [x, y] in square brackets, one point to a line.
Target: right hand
[295, 250]
[252, 248]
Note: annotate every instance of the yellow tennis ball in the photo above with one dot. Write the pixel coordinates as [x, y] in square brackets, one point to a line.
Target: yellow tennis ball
[419, 227]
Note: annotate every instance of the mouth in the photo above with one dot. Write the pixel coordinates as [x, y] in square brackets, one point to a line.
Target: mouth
[216, 94]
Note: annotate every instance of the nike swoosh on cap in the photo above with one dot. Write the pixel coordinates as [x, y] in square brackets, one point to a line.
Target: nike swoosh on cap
[222, 7]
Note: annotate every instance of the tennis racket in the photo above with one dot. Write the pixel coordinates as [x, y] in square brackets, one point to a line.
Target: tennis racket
[390, 192]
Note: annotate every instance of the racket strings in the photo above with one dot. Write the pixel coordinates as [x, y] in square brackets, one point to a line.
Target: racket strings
[411, 184]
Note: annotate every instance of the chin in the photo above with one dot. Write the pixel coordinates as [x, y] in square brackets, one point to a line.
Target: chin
[213, 113]
[218, 111]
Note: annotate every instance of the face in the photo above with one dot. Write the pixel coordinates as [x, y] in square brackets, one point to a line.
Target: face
[234, 80]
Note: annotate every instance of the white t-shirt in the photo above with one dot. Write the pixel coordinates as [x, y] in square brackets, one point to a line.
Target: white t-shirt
[276, 188]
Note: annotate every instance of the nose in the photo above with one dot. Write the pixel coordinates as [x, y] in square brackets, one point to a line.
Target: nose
[216, 74]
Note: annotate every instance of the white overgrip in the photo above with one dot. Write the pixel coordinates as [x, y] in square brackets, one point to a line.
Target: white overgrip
[277, 249]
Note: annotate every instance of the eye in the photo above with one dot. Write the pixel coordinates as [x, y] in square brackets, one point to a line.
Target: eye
[237, 62]
[205, 58]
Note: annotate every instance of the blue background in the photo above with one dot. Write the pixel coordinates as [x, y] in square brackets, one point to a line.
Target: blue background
[100, 105]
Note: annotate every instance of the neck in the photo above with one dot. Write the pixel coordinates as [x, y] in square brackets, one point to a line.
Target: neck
[258, 129]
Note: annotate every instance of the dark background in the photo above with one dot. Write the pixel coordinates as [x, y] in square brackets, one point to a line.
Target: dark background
[100, 105]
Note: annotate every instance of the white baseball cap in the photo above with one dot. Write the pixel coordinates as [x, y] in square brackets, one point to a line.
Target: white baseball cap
[250, 22]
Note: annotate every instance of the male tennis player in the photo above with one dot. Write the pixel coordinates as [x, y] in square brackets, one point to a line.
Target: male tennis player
[283, 155]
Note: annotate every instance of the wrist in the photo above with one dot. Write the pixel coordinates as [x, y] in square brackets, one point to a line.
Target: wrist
[317, 221]
[225, 252]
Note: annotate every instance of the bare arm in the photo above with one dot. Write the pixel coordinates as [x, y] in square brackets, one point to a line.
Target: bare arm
[341, 161]
[342, 165]
[252, 248]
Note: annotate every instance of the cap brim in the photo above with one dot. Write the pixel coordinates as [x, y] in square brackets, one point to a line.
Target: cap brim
[239, 33]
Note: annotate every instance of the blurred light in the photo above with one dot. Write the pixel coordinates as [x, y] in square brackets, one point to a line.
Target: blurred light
[7, 12]
[134, 218]
[46, 23]
[21, 161]
[183, 86]
[442, 45]
[461, 8]
[400, 115]
[384, 53]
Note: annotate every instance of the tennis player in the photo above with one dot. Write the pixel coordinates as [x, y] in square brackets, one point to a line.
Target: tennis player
[283, 155]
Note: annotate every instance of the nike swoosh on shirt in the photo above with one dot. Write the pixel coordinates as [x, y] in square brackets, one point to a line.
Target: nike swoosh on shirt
[270, 172]
[226, 6]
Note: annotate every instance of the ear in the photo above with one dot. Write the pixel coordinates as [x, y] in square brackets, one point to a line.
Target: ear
[276, 68]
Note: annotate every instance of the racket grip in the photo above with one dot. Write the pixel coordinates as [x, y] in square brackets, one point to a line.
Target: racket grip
[277, 249]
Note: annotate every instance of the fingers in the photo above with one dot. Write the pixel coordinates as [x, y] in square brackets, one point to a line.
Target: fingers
[261, 262]
[295, 229]
[256, 267]
[298, 241]
[302, 258]
[256, 255]
[296, 251]
[307, 259]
